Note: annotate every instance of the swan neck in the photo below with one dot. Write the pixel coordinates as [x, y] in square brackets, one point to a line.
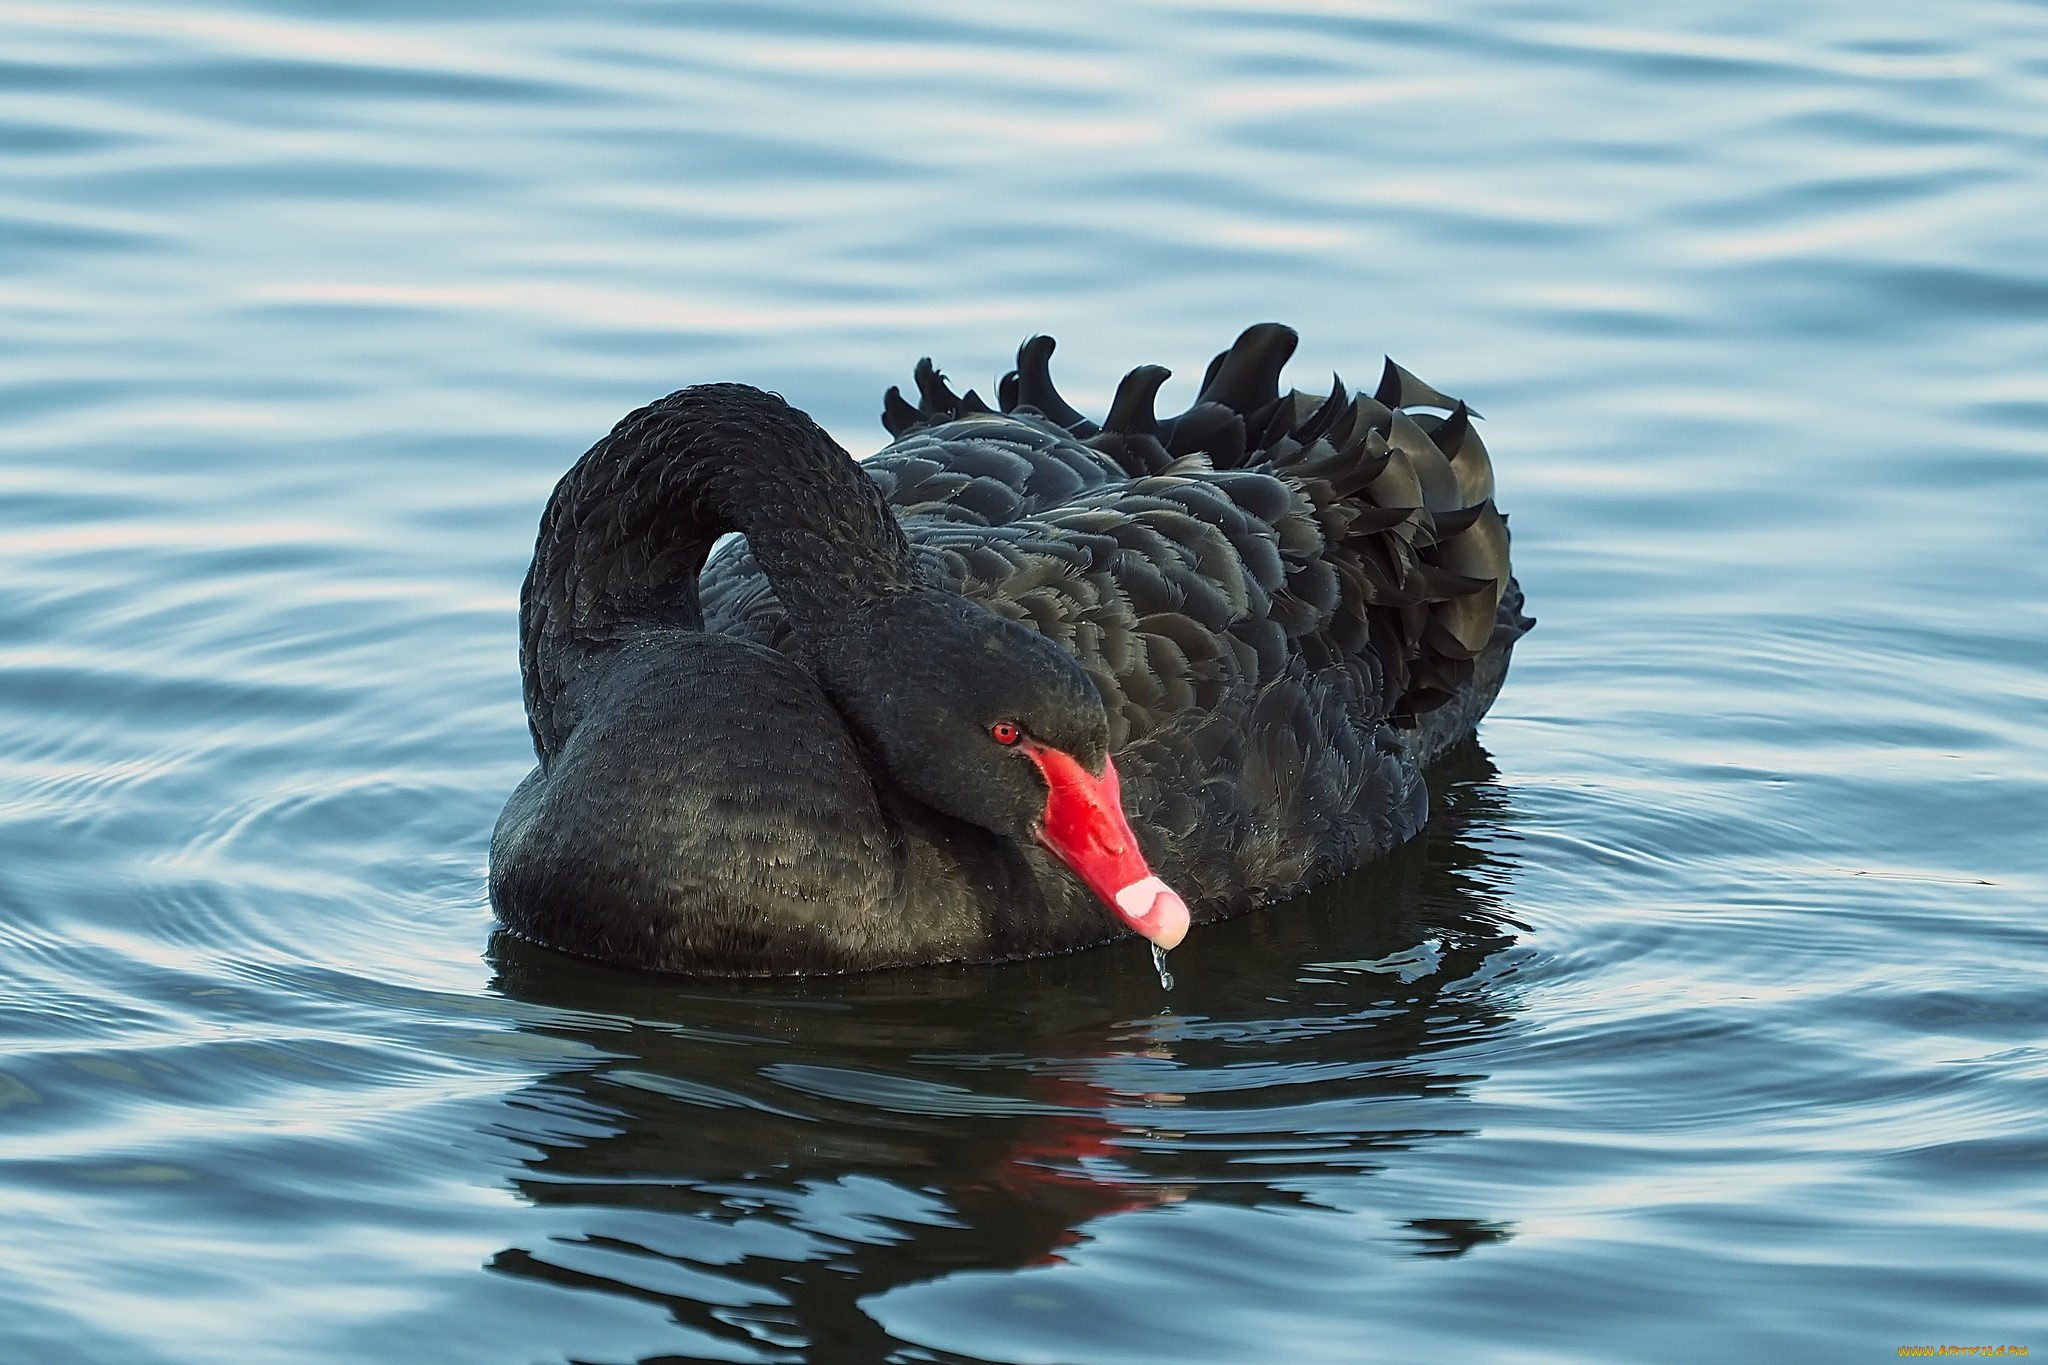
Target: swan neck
[628, 529]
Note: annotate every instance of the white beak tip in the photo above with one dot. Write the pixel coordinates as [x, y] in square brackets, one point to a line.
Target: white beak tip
[1155, 910]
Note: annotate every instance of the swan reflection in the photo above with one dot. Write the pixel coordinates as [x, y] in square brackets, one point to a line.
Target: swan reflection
[762, 1161]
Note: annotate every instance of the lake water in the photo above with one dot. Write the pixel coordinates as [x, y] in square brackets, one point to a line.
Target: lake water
[1707, 1023]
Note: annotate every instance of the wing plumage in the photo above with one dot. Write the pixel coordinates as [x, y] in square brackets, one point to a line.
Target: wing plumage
[1266, 588]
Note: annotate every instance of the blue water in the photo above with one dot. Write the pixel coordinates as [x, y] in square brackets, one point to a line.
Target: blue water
[1708, 1023]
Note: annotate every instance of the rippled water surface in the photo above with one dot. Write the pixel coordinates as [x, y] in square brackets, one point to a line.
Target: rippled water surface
[1708, 1021]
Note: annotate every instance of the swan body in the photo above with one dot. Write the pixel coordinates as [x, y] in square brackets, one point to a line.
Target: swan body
[1018, 684]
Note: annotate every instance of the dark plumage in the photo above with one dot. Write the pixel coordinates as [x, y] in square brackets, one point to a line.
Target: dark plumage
[1272, 611]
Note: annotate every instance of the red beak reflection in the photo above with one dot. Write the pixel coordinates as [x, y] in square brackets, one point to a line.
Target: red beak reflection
[1084, 824]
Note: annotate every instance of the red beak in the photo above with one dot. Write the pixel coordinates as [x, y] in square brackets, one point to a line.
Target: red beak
[1084, 823]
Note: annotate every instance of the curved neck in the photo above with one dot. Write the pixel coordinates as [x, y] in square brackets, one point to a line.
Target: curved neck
[626, 533]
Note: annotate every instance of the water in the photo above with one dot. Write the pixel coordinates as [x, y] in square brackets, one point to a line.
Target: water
[1707, 1023]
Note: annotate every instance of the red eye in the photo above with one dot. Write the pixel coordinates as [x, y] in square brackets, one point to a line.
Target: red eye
[1004, 733]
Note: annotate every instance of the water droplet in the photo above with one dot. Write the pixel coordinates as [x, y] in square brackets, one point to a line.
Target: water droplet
[1159, 963]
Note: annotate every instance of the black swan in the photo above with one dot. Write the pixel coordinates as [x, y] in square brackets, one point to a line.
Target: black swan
[1018, 684]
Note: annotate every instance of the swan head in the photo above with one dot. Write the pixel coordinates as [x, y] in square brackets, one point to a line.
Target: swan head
[990, 722]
